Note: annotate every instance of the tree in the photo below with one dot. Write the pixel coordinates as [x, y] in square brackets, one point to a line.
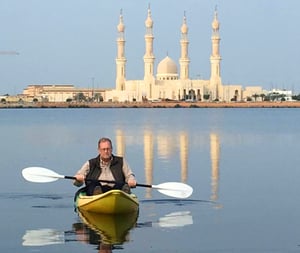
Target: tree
[79, 97]
[296, 97]
[98, 97]
[206, 96]
[255, 96]
[282, 97]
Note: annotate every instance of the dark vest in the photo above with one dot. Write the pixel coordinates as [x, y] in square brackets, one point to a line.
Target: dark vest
[116, 166]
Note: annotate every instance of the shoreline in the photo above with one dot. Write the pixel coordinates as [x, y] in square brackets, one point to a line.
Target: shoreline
[173, 104]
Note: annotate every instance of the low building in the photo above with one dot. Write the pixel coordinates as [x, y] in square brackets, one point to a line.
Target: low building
[254, 93]
[280, 95]
[61, 93]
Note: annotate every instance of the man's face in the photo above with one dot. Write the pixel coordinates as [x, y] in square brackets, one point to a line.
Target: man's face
[105, 150]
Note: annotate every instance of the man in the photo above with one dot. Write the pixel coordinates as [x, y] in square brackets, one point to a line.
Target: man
[105, 166]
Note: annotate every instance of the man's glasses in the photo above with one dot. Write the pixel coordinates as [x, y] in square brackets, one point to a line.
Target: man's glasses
[105, 149]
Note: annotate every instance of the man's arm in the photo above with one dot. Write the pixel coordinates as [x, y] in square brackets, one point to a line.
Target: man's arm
[81, 174]
[129, 176]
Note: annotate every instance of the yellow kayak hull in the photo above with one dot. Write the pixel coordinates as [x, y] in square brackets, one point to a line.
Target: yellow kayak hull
[111, 202]
[113, 228]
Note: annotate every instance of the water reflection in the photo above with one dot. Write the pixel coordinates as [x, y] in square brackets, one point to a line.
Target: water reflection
[148, 154]
[113, 229]
[120, 141]
[215, 161]
[165, 146]
[184, 144]
[43, 237]
[107, 232]
[176, 219]
[80, 233]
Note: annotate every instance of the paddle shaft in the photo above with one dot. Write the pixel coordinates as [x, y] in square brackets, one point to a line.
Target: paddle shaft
[108, 181]
[140, 185]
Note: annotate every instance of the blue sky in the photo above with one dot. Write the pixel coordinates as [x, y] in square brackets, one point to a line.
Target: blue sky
[68, 41]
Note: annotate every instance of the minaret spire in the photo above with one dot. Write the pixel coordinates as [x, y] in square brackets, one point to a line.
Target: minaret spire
[184, 58]
[149, 57]
[215, 58]
[120, 60]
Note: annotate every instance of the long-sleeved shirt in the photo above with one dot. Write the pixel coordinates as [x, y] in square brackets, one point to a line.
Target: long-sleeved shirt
[106, 173]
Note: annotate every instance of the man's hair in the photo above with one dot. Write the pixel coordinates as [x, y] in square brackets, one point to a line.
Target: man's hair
[104, 139]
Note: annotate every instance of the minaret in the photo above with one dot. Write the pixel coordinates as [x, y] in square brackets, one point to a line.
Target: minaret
[184, 59]
[149, 57]
[120, 60]
[215, 59]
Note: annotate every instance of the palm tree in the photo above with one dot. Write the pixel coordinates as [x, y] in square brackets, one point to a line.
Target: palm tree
[79, 97]
[255, 96]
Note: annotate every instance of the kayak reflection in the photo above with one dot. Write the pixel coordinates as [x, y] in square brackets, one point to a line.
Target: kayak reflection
[106, 231]
[113, 229]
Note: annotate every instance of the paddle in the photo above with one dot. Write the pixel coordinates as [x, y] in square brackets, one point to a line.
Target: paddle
[43, 175]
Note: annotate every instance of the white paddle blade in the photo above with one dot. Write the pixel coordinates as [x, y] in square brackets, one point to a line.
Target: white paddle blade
[40, 175]
[174, 189]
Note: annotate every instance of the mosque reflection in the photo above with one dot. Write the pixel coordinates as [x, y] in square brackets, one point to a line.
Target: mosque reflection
[165, 145]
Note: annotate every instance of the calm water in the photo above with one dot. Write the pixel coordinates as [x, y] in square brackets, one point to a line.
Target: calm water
[242, 163]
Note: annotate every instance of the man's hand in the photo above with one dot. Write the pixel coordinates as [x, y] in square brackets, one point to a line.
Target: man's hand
[131, 182]
[79, 178]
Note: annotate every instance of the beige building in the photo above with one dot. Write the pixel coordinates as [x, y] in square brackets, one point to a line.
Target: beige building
[253, 93]
[61, 93]
[171, 81]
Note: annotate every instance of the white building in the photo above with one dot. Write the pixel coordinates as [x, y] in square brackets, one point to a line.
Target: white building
[279, 95]
[172, 81]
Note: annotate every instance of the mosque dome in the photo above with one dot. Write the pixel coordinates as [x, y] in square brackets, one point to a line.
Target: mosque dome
[167, 69]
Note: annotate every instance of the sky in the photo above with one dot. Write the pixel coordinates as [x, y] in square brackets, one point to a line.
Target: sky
[74, 41]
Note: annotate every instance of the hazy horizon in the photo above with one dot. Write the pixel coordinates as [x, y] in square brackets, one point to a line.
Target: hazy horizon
[74, 42]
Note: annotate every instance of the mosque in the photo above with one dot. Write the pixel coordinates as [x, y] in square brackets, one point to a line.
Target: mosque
[169, 83]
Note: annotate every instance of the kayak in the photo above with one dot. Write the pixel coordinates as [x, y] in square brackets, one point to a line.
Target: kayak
[111, 202]
[113, 228]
